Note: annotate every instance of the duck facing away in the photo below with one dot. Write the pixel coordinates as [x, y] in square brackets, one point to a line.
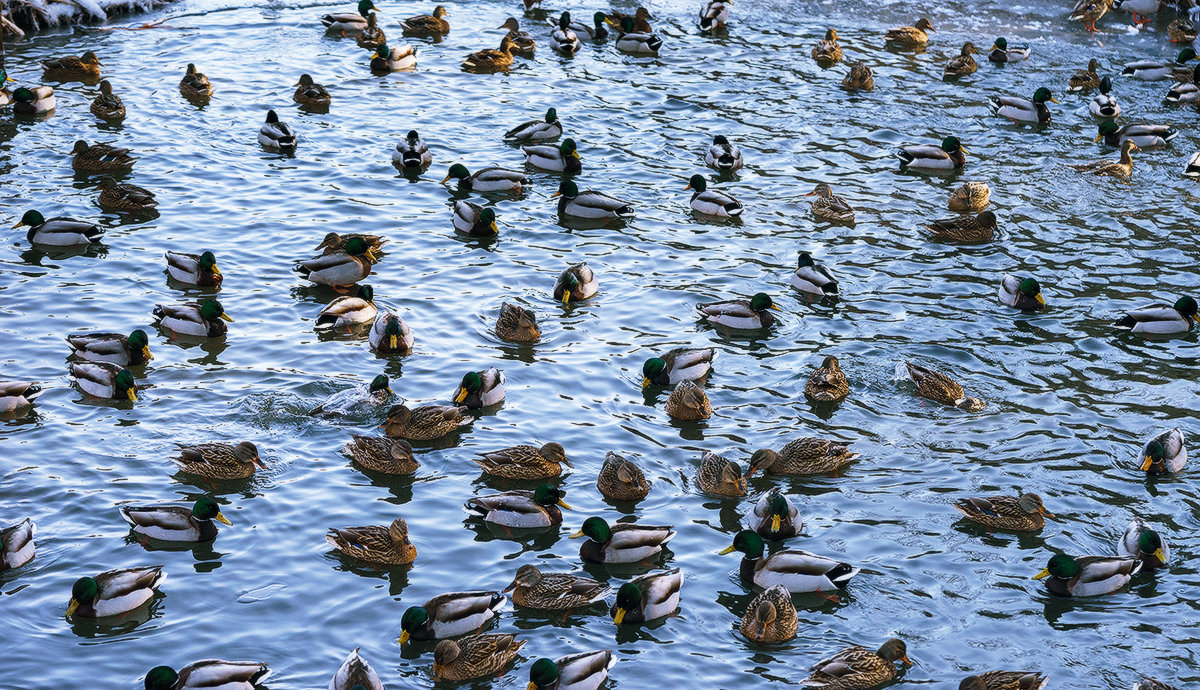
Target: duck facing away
[970, 197]
[195, 85]
[828, 383]
[275, 134]
[620, 479]
[828, 51]
[355, 674]
[688, 402]
[813, 278]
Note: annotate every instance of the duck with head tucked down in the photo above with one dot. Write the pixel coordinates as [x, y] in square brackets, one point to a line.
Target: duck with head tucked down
[475, 656]
[355, 674]
[209, 673]
[1143, 543]
[1004, 680]
[970, 196]
[195, 85]
[806, 455]
[18, 396]
[517, 325]
[963, 229]
[714, 16]
[775, 517]
[859, 78]
[356, 400]
[719, 476]
[480, 389]
[123, 196]
[688, 402]
[16, 541]
[620, 479]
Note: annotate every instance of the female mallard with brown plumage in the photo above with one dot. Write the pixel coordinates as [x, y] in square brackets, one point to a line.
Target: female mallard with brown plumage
[534, 589]
[310, 94]
[970, 196]
[71, 68]
[621, 480]
[860, 78]
[805, 455]
[475, 656]
[770, 617]
[1181, 31]
[517, 324]
[424, 423]
[858, 667]
[623, 542]
[829, 206]
[523, 43]
[195, 85]
[381, 454]
[1004, 680]
[219, 460]
[963, 229]
[100, 158]
[107, 105]
[1085, 79]
[123, 196]
[719, 476]
[828, 382]
[1023, 513]
[524, 462]
[427, 24]
[371, 36]
[1120, 169]
[938, 387]
[688, 402]
[489, 60]
[338, 244]
[828, 51]
[962, 64]
[910, 36]
[387, 545]
[1090, 11]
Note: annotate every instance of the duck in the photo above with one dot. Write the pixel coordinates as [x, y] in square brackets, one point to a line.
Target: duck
[517, 324]
[859, 78]
[910, 36]
[450, 615]
[412, 153]
[355, 674]
[371, 36]
[524, 462]
[523, 43]
[648, 597]
[1144, 136]
[712, 202]
[521, 509]
[489, 60]
[219, 460]
[563, 158]
[1004, 680]
[813, 278]
[349, 21]
[1023, 293]
[1192, 168]
[563, 39]
[620, 479]
[473, 219]
[719, 476]
[723, 156]
[806, 455]
[16, 544]
[122, 350]
[1147, 683]
[201, 320]
[774, 517]
[122, 196]
[385, 545]
[396, 59]
[1001, 52]
[798, 571]
[676, 365]
[576, 283]
[545, 129]
[491, 179]
[100, 158]
[424, 423]
[688, 402]
[1021, 110]
[114, 592]
[475, 656]
[970, 196]
[938, 387]
[1120, 169]
[827, 383]
[277, 135]
[105, 380]
[963, 229]
[176, 523]
[589, 205]
[949, 156]
[583, 671]
[829, 206]
[1085, 79]
[714, 16]
[621, 543]
[962, 64]
[1141, 10]
[35, 101]
[1090, 11]
[194, 269]
[1104, 105]
[195, 85]
[531, 588]
[355, 400]
[1161, 319]
[107, 105]
[71, 68]
[434, 24]
[390, 335]
[770, 617]
[1143, 543]
[479, 389]
[348, 311]
[1185, 91]
[641, 19]
[381, 454]
[828, 51]
[18, 396]
[750, 315]
[310, 94]
[342, 244]
[1087, 576]
[1023, 513]
[858, 667]
[596, 32]
[341, 269]
[1181, 31]
[6, 96]
[1157, 70]
[1164, 453]
[635, 41]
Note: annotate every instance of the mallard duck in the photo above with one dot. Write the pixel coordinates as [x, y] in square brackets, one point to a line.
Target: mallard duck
[195, 85]
[805, 455]
[517, 324]
[209, 673]
[479, 389]
[18, 395]
[1022, 110]
[100, 158]
[122, 196]
[104, 380]
[114, 592]
[648, 597]
[962, 64]
[310, 94]
[1157, 70]
[775, 517]
[589, 205]
[1185, 91]
[1085, 79]
[688, 402]
[938, 387]
[859, 78]
[371, 36]
[858, 667]
[1120, 169]
[427, 24]
[1164, 453]
[355, 674]
[349, 310]
[798, 571]
[16, 544]
[491, 179]
[341, 269]
[910, 36]
[343, 244]
[424, 423]
[1161, 319]
[277, 135]
[390, 335]
[563, 39]
[1001, 52]
[563, 158]
[576, 283]
[1004, 680]
[1024, 513]
[740, 314]
[35, 101]
[676, 365]
[107, 105]
[537, 130]
[641, 19]
[523, 43]
[813, 278]
[521, 509]
[621, 543]
[1087, 576]
[1181, 31]
[1141, 10]
[393, 59]
[712, 202]
[584, 671]
[714, 15]
[355, 400]
[948, 156]
[596, 32]
[531, 588]
[349, 21]
[71, 68]
[6, 96]
[1192, 168]
[201, 320]
[450, 615]
[219, 460]
[473, 219]
[1090, 11]
[1023, 293]
[719, 476]
[723, 156]
[1144, 136]
[963, 229]
[829, 206]
[194, 269]
[387, 545]
[1147, 683]
[489, 60]
[828, 51]
[122, 350]
[621, 480]
[1143, 543]
[635, 41]
[1104, 104]
[770, 617]
[524, 462]
[827, 383]
[475, 656]
[384, 455]
[176, 523]
[970, 196]
[412, 153]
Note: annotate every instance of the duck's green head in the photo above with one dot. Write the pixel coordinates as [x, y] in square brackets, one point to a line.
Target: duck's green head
[1061, 566]
[777, 508]
[952, 144]
[23, 95]
[564, 20]
[31, 218]
[161, 678]
[458, 171]
[761, 302]
[208, 262]
[356, 246]
[471, 382]
[570, 282]
[804, 260]
[1106, 85]
[1185, 55]
[365, 6]
[546, 495]
[551, 115]
[697, 182]
[414, 618]
[567, 148]
[629, 598]
[568, 189]
[138, 340]
[366, 293]
[599, 19]
[651, 370]
[749, 543]
[124, 386]
[627, 24]
[379, 383]
[84, 591]
[4, 77]
[206, 508]
[1155, 452]
[1030, 288]
[1186, 305]
[212, 310]
[543, 674]
[412, 136]
[382, 51]
[488, 217]
[1106, 128]
[1001, 43]
[1042, 95]
[392, 330]
[596, 529]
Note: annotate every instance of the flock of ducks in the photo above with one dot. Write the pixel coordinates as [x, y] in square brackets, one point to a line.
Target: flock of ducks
[101, 365]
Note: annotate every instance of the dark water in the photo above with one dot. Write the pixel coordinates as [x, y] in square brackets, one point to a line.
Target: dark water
[1070, 401]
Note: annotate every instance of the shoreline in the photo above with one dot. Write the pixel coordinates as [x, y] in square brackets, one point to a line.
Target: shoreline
[23, 16]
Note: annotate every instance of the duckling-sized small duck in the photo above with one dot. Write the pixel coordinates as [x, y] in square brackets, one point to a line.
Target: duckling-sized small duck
[489, 60]
[1164, 453]
[16, 542]
[970, 196]
[371, 37]
[723, 156]
[828, 51]
[424, 423]
[349, 21]
[635, 41]
[962, 64]
[491, 179]
[1023, 293]
[342, 244]
[387, 545]
[194, 269]
[719, 476]
[201, 320]
[798, 571]
[1104, 104]
[688, 402]
[209, 673]
[71, 68]
[114, 592]
[1020, 110]
[1144, 136]
[576, 283]
[714, 16]
[475, 220]
[537, 130]
[621, 543]
[1002, 53]
[648, 597]
[775, 517]
[1090, 11]
[563, 158]
[1157, 70]
[523, 43]
[1182, 31]
[355, 674]
[412, 153]
[1085, 79]
[910, 36]
[805, 455]
[390, 335]
[621, 480]
[860, 78]
[355, 400]
[520, 509]
[278, 135]
[122, 196]
[584, 671]
[475, 656]
[1120, 169]
[18, 396]
[100, 158]
[195, 86]
[676, 365]
[1004, 680]
[828, 382]
[829, 206]
[311, 94]
[1185, 91]
[963, 229]
[949, 156]
[747, 315]
[176, 523]
[858, 667]
[393, 59]
[531, 588]
[479, 389]
[1087, 576]
[770, 617]
[1024, 513]
[105, 380]
[427, 24]
[450, 615]
[381, 454]
[219, 460]
[1143, 543]
[524, 462]
[107, 105]
[938, 387]
[563, 39]
[712, 202]
[122, 350]
[589, 205]
[348, 311]
[517, 325]
[341, 269]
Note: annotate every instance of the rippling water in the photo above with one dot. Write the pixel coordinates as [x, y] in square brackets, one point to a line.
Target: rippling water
[1070, 401]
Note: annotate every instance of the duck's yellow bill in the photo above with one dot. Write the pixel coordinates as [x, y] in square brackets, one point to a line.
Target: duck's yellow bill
[576, 535]
[227, 317]
[1054, 100]
[1045, 513]
[1147, 463]
[906, 661]
[131, 394]
[1040, 300]
[566, 298]
[1042, 575]
[1098, 138]
[564, 504]
[216, 271]
[619, 616]
[776, 520]
[688, 187]
[776, 308]
[19, 223]
[494, 228]
[146, 353]
[445, 178]
[403, 637]
[963, 148]
[727, 549]
[460, 394]
[1162, 557]
[224, 519]
[72, 606]
[393, 342]
[645, 382]
[555, 194]
[531, 686]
